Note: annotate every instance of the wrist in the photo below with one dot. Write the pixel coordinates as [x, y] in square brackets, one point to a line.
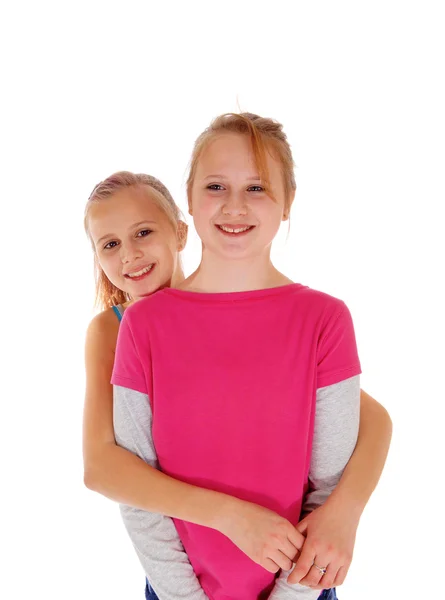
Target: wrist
[225, 510]
[346, 503]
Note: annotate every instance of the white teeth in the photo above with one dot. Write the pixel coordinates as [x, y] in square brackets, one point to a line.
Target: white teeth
[233, 230]
[141, 272]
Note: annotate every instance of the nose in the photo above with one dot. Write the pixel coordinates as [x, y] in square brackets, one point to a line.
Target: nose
[235, 204]
[129, 252]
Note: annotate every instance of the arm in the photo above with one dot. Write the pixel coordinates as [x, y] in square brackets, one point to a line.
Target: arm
[158, 546]
[335, 436]
[125, 478]
[330, 529]
[154, 536]
[363, 471]
[335, 523]
[116, 472]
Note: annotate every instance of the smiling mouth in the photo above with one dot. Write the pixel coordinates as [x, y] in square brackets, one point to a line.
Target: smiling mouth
[138, 275]
[235, 230]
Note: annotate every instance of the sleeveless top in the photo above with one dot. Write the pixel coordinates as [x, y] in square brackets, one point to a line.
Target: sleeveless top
[119, 310]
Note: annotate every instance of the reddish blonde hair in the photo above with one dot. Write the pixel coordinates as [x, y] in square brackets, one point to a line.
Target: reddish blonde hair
[266, 135]
[107, 294]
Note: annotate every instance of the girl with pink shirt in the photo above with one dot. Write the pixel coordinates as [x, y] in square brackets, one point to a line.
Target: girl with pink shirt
[229, 377]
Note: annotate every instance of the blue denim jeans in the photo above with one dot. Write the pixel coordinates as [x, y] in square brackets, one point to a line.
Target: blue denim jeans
[325, 594]
[149, 592]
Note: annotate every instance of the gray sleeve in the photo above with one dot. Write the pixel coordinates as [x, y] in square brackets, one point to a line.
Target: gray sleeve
[337, 416]
[154, 536]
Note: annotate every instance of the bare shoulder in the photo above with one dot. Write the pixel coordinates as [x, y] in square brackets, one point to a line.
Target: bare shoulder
[103, 330]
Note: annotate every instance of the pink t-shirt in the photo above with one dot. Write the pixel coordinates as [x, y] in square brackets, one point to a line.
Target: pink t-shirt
[232, 381]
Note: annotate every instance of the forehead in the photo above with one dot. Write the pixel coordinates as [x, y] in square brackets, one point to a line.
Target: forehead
[231, 153]
[123, 209]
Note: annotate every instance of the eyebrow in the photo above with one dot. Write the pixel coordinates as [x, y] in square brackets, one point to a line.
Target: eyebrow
[218, 176]
[134, 226]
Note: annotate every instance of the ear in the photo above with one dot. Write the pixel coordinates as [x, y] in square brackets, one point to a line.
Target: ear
[182, 235]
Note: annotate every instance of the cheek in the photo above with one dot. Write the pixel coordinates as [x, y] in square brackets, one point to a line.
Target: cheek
[204, 211]
[271, 220]
[201, 221]
[272, 211]
[206, 203]
[164, 252]
[110, 266]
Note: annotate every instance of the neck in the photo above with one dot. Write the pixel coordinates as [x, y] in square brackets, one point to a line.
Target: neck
[216, 274]
[178, 277]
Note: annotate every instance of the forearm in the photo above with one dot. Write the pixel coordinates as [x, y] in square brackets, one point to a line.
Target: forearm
[123, 477]
[154, 536]
[335, 439]
[335, 435]
[365, 466]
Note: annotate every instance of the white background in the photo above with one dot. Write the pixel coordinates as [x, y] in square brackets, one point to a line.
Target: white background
[94, 87]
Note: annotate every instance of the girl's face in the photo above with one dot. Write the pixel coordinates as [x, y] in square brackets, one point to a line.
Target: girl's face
[135, 242]
[233, 215]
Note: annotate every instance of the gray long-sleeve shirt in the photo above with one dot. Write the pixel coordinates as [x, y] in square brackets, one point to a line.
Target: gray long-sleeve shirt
[154, 536]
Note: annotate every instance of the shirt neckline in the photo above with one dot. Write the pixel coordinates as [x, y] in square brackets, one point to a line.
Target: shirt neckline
[233, 296]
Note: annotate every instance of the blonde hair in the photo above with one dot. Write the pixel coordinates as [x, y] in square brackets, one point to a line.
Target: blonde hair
[107, 294]
[265, 135]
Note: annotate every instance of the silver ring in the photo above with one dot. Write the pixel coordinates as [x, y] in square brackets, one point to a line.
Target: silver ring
[321, 569]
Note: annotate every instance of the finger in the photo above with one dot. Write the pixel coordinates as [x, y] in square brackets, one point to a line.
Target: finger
[289, 550]
[313, 578]
[270, 565]
[302, 526]
[296, 538]
[283, 561]
[303, 565]
[341, 575]
[315, 574]
[327, 580]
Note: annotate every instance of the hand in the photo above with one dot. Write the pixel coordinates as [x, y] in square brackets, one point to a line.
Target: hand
[330, 537]
[268, 539]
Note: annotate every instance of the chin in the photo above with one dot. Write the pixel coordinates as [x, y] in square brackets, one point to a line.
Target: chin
[142, 293]
[148, 293]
